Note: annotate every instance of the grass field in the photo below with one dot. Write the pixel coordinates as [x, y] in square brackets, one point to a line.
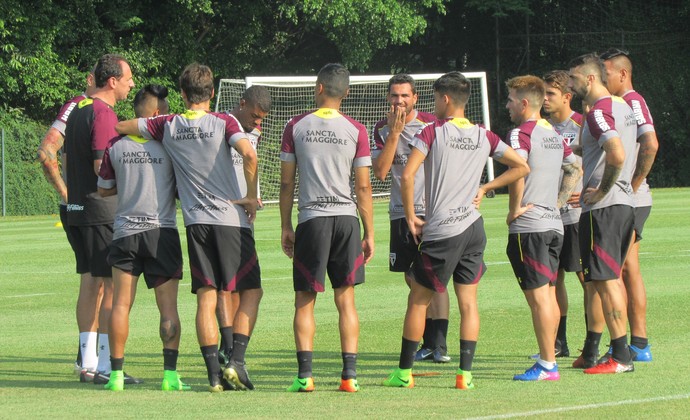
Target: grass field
[38, 338]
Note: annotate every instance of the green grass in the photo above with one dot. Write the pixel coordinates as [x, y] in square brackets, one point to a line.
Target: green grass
[38, 338]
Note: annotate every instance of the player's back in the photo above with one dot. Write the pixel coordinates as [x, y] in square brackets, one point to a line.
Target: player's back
[645, 124]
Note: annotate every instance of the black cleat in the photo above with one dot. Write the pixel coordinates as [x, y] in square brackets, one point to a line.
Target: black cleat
[101, 378]
[220, 384]
[562, 349]
[236, 373]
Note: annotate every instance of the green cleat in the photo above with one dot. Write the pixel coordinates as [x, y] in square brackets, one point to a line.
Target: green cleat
[463, 379]
[116, 381]
[400, 378]
[172, 382]
[302, 385]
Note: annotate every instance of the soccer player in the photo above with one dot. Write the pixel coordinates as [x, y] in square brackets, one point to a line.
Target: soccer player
[251, 110]
[619, 82]
[145, 237]
[326, 147]
[606, 223]
[47, 156]
[222, 253]
[567, 123]
[391, 148]
[454, 152]
[535, 229]
[90, 128]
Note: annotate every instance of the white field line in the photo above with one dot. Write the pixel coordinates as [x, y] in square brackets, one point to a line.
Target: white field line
[30, 295]
[583, 407]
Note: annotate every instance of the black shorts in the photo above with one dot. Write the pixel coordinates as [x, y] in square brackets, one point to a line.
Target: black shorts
[332, 245]
[461, 256]
[570, 260]
[222, 257]
[156, 253]
[90, 246]
[605, 236]
[403, 248]
[641, 216]
[534, 257]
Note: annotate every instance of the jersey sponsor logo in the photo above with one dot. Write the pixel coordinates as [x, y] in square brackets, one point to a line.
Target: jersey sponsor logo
[207, 208]
[140, 157]
[461, 143]
[323, 202]
[192, 133]
[639, 115]
[68, 111]
[551, 143]
[392, 257]
[400, 159]
[140, 223]
[601, 122]
[85, 102]
[324, 136]
[457, 215]
[75, 207]
[515, 138]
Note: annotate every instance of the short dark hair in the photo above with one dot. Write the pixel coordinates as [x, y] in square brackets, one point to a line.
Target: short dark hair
[144, 99]
[196, 82]
[619, 58]
[592, 62]
[401, 79]
[455, 85]
[106, 67]
[258, 95]
[335, 79]
[559, 80]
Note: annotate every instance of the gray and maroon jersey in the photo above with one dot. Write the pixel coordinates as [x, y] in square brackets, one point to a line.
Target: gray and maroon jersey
[60, 123]
[143, 174]
[570, 131]
[609, 117]
[199, 144]
[327, 146]
[456, 152]
[645, 124]
[90, 128]
[254, 138]
[546, 152]
[402, 152]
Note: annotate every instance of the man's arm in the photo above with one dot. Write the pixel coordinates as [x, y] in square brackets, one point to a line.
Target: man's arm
[614, 160]
[414, 161]
[288, 170]
[249, 202]
[47, 157]
[396, 125]
[649, 145]
[517, 168]
[129, 127]
[366, 210]
[107, 192]
[571, 175]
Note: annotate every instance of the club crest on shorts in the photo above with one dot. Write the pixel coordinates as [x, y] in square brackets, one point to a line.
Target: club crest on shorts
[392, 258]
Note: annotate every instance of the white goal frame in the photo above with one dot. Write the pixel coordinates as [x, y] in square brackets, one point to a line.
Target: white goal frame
[362, 105]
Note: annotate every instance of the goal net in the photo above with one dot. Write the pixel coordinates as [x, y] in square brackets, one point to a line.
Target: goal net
[366, 103]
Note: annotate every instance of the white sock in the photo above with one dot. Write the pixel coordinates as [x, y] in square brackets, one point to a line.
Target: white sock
[103, 353]
[546, 365]
[87, 343]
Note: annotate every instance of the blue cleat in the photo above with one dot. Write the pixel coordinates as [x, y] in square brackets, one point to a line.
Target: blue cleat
[641, 355]
[538, 373]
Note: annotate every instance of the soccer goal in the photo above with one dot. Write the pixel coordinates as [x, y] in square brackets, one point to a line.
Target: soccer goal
[366, 103]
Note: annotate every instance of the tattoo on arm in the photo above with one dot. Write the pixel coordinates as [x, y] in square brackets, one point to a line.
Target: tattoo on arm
[571, 175]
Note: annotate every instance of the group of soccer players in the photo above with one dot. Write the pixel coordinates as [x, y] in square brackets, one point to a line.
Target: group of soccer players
[209, 161]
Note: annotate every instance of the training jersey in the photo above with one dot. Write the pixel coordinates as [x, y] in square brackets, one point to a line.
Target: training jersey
[456, 152]
[402, 152]
[254, 138]
[199, 144]
[326, 146]
[143, 174]
[645, 124]
[546, 152]
[60, 124]
[609, 117]
[90, 128]
[570, 131]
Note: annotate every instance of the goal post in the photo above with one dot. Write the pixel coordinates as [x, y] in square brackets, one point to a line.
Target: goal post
[365, 103]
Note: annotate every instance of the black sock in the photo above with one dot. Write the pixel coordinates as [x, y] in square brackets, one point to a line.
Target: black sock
[239, 347]
[170, 359]
[560, 335]
[226, 340]
[639, 342]
[304, 359]
[620, 351]
[429, 334]
[591, 349]
[467, 349]
[441, 332]
[407, 352]
[349, 366]
[210, 354]
[116, 364]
